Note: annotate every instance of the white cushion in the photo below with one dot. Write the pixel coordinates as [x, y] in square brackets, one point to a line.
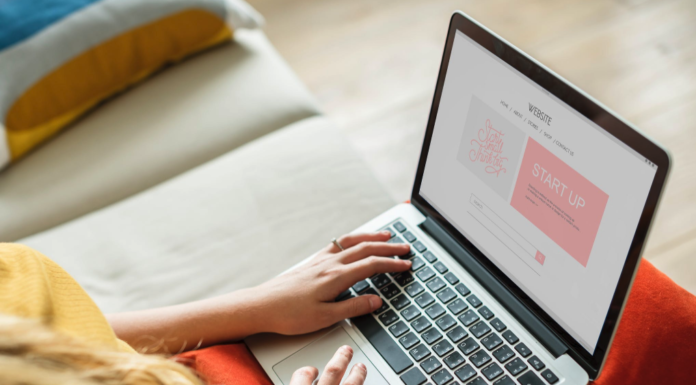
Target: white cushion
[185, 116]
[231, 223]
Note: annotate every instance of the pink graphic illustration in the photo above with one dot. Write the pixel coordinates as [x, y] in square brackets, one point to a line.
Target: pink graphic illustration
[563, 204]
[488, 149]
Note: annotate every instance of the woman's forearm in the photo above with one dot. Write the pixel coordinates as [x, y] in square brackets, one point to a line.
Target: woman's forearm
[298, 302]
[173, 329]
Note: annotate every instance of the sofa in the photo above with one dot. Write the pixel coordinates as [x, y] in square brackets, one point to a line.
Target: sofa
[216, 174]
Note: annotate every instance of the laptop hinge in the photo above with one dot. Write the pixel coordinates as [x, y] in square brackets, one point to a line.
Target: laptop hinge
[542, 333]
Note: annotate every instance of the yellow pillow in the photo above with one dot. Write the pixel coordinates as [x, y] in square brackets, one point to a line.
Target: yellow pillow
[60, 60]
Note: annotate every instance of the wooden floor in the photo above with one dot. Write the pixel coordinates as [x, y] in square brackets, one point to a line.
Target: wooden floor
[372, 65]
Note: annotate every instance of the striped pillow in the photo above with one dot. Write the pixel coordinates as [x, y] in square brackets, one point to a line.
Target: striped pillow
[59, 58]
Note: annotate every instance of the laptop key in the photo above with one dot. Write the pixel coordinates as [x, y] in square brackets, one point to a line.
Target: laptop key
[425, 274]
[390, 291]
[457, 334]
[504, 380]
[440, 267]
[409, 237]
[530, 378]
[503, 354]
[435, 311]
[396, 239]
[468, 346]
[516, 366]
[431, 336]
[400, 302]
[389, 317]
[443, 347]
[383, 343]
[420, 246]
[420, 324]
[398, 329]
[457, 306]
[436, 284]
[409, 340]
[382, 308]
[498, 325]
[536, 363]
[414, 289]
[416, 263]
[442, 377]
[428, 255]
[451, 278]
[480, 329]
[492, 371]
[480, 358]
[491, 341]
[425, 300]
[360, 286]
[469, 318]
[413, 377]
[446, 295]
[446, 322]
[380, 280]
[549, 376]
[410, 313]
[370, 291]
[462, 289]
[523, 349]
[453, 360]
[419, 352]
[430, 365]
[404, 278]
[344, 296]
[473, 300]
[465, 373]
[477, 381]
[486, 312]
[399, 227]
[510, 337]
[408, 255]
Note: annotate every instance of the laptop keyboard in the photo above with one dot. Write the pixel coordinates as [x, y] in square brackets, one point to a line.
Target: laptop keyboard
[432, 329]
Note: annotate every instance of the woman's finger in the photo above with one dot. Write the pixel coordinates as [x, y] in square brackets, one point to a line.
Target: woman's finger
[354, 307]
[336, 368]
[357, 375]
[349, 240]
[304, 376]
[365, 268]
[379, 249]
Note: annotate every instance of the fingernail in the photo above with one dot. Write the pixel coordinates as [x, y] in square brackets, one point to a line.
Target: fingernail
[360, 365]
[374, 303]
[385, 232]
[347, 348]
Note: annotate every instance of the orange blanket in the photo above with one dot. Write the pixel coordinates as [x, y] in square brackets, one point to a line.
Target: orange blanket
[654, 343]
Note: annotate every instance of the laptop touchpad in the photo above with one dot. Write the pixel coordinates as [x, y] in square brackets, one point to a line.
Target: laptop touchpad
[319, 352]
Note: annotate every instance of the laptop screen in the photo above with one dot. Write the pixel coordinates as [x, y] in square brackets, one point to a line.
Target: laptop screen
[551, 198]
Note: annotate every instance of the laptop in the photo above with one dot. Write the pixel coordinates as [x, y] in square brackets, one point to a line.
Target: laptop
[531, 205]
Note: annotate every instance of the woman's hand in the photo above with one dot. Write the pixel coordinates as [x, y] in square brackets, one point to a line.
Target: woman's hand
[302, 300]
[298, 302]
[333, 372]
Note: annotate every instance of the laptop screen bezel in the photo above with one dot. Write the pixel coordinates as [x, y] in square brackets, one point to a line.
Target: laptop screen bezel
[607, 120]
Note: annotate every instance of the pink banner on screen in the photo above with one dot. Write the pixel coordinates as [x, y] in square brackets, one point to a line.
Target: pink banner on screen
[559, 201]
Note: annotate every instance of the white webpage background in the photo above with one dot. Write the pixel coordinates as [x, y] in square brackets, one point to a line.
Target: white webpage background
[577, 297]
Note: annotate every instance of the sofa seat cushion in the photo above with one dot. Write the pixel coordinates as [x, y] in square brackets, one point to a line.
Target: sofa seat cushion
[185, 116]
[231, 223]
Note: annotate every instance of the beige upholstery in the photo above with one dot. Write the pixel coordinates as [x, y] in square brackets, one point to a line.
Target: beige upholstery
[185, 116]
[233, 222]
